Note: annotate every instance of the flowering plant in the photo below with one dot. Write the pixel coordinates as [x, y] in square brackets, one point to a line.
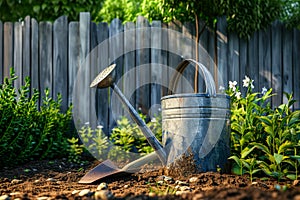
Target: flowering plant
[263, 139]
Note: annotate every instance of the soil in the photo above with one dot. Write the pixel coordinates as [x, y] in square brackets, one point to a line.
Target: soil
[58, 179]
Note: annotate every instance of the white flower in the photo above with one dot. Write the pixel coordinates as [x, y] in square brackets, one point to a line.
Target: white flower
[153, 120]
[238, 95]
[232, 85]
[99, 126]
[221, 88]
[264, 90]
[247, 81]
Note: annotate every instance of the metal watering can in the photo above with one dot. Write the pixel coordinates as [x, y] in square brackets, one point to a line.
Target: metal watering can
[186, 124]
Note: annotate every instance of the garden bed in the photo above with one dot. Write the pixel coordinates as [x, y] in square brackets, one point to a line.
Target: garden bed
[58, 179]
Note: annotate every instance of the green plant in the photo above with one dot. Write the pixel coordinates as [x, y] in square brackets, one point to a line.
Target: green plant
[75, 150]
[27, 133]
[162, 188]
[262, 138]
[126, 138]
[95, 141]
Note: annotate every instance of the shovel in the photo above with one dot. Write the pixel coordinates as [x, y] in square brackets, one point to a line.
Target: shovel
[105, 79]
[108, 168]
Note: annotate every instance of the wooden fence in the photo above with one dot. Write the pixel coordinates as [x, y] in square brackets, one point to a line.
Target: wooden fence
[52, 53]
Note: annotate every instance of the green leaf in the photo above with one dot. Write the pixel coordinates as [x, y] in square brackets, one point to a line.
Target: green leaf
[237, 160]
[36, 9]
[278, 158]
[296, 157]
[261, 147]
[247, 151]
[266, 120]
[292, 176]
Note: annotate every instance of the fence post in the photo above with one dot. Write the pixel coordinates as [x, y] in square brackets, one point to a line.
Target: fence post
[60, 60]
[45, 59]
[26, 66]
[34, 74]
[18, 54]
[8, 48]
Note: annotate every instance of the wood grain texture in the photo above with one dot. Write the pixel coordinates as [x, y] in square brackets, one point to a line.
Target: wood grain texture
[60, 60]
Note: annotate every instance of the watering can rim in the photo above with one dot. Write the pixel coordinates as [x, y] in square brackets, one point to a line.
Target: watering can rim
[218, 95]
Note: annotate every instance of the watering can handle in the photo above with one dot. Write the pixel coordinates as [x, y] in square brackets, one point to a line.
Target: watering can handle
[208, 79]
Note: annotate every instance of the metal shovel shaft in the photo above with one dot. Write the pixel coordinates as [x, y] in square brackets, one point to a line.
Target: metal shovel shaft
[152, 140]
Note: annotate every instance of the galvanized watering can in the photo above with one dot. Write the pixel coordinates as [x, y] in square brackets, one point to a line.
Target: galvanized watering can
[195, 124]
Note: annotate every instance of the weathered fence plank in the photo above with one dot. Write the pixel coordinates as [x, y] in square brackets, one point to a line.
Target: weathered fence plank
[222, 46]
[143, 39]
[296, 67]
[18, 53]
[244, 70]
[157, 69]
[253, 62]
[34, 56]
[26, 47]
[83, 81]
[129, 63]
[264, 59]
[102, 95]
[73, 57]
[8, 48]
[60, 60]
[233, 59]
[116, 49]
[188, 45]
[45, 59]
[174, 50]
[276, 63]
[1, 52]
[93, 61]
[287, 63]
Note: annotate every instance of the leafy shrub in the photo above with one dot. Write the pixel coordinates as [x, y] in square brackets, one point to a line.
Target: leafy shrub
[27, 133]
[263, 139]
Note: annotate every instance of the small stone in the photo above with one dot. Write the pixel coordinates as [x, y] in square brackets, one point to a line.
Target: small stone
[84, 192]
[103, 195]
[43, 198]
[295, 182]
[198, 196]
[4, 197]
[75, 192]
[160, 182]
[126, 186]
[181, 182]
[15, 193]
[181, 192]
[151, 194]
[274, 195]
[168, 179]
[16, 181]
[36, 181]
[51, 180]
[193, 179]
[102, 186]
[185, 188]
[297, 197]
[254, 183]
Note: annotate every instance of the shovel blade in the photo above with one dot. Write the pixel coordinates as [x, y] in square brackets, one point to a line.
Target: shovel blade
[104, 169]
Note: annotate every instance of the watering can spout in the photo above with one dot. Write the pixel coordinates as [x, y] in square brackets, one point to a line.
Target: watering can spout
[106, 78]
